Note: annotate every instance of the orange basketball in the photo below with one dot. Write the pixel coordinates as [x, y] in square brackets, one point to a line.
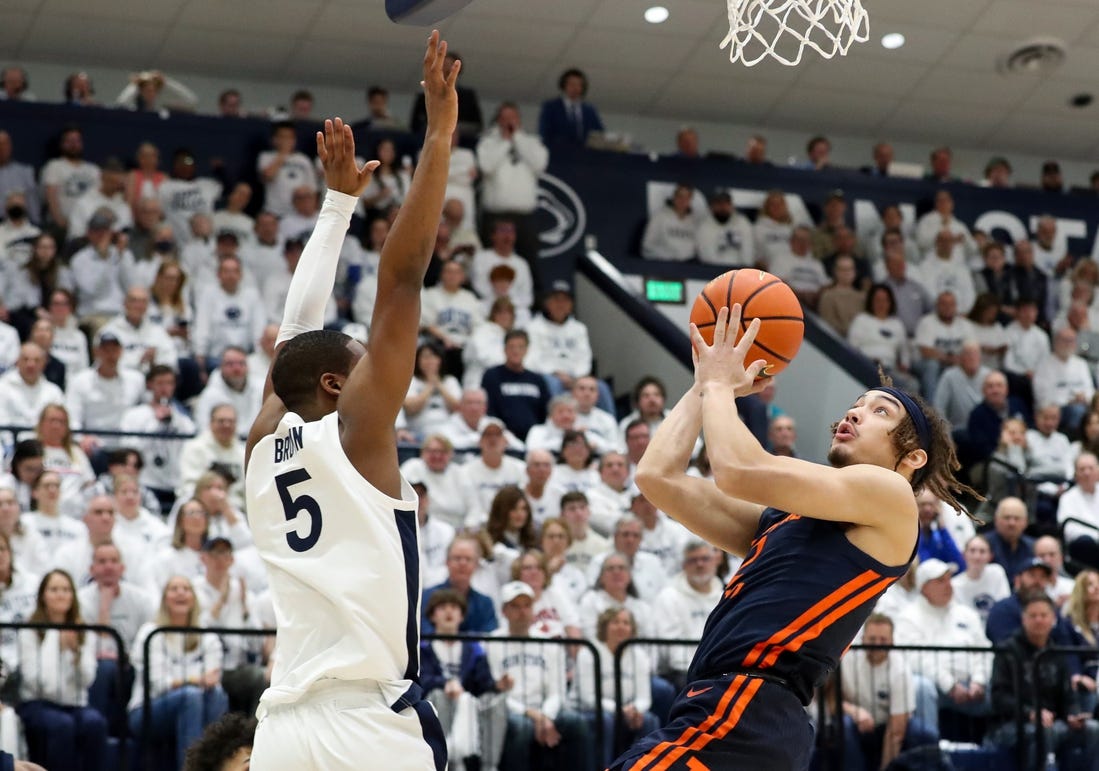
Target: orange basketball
[761, 296]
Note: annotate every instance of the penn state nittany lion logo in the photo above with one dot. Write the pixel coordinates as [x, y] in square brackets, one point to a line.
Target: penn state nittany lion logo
[562, 218]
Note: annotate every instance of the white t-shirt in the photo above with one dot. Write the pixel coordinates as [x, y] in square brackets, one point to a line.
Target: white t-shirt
[883, 690]
[296, 171]
[933, 332]
[434, 413]
[981, 593]
[73, 180]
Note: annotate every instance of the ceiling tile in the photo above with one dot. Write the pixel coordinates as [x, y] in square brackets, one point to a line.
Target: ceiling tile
[1053, 99]
[549, 10]
[13, 29]
[353, 65]
[712, 61]
[1081, 63]
[67, 38]
[1030, 132]
[627, 89]
[621, 48]
[124, 10]
[715, 98]
[873, 75]
[952, 84]
[979, 52]
[215, 52]
[345, 24]
[948, 14]
[511, 38]
[291, 17]
[22, 6]
[954, 122]
[1023, 19]
[831, 109]
[697, 18]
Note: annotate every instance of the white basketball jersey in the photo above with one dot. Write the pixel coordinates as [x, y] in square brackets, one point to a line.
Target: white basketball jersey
[342, 559]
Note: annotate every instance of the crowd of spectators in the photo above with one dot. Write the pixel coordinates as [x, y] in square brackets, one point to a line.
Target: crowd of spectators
[138, 306]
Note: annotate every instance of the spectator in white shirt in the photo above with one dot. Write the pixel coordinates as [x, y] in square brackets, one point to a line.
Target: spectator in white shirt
[449, 312]
[482, 476]
[67, 177]
[672, 230]
[217, 444]
[432, 396]
[100, 395]
[230, 314]
[184, 194]
[941, 218]
[1027, 343]
[298, 223]
[725, 235]
[1081, 502]
[939, 338]
[585, 542]
[799, 268]
[463, 428]
[97, 272]
[160, 415]
[503, 239]
[1064, 379]
[24, 391]
[682, 607]
[485, 348]
[54, 529]
[57, 667]
[233, 383]
[144, 343]
[111, 194]
[233, 216]
[543, 494]
[941, 271]
[647, 570]
[1048, 550]
[773, 227]
[611, 496]
[598, 425]
[436, 471]
[1048, 451]
[984, 582]
[75, 557]
[284, 170]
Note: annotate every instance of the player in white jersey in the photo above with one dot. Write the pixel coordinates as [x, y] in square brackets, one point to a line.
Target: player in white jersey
[331, 515]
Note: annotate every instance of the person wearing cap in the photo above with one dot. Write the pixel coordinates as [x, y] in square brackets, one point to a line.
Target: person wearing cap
[67, 177]
[724, 235]
[100, 395]
[540, 727]
[97, 272]
[185, 193]
[482, 476]
[436, 470]
[226, 602]
[955, 680]
[111, 194]
[1045, 690]
[284, 170]
[1051, 180]
[502, 252]
[672, 230]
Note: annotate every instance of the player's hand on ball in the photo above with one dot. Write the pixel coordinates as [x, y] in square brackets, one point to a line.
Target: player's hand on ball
[723, 362]
[440, 95]
[336, 149]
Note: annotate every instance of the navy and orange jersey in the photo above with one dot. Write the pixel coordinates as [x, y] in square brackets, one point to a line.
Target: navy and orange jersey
[794, 606]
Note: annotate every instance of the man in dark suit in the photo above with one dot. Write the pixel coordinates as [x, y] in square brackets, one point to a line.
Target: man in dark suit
[568, 119]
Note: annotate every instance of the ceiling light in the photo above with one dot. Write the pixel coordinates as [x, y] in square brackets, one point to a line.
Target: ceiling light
[892, 40]
[658, 14]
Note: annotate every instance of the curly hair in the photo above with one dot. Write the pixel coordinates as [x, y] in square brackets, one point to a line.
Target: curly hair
[221, 740]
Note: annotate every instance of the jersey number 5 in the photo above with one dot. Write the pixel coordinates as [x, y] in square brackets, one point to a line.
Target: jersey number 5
[291, 506]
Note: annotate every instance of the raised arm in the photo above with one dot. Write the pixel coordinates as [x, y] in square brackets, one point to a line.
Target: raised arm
[376, 388]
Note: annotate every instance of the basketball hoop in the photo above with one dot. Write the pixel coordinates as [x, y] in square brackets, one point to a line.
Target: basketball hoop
[783, 29]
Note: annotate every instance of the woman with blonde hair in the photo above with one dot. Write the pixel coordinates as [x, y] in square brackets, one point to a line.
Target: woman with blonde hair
[184, 673]
[57, 667]
[182, 556]
[773, 227]
[63, 455]
[555, 541]
[56, 529]
[226, 520]
[555, 613]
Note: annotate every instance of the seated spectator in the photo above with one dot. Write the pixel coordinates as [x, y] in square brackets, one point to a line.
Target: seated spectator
[997, 173]
[112, 600]
[1081, 503]
[615, 626]
[773, 228]
[485, 348]
[231, 384]
[161, 414]
[62, 455]
[542, 493]
[996, 278]
[879, 335]
[879, 699]
[463, 428]
[461, 561]
[184, 673]
[18, 585]
[561, 419]
[614, 587]
[782, 436]
[27, 546]
[585, 543]
[218, 445]
[24, 391]
[449, 312]
[283, 170]
[1044, 691]
[18, 178]
[42, 335]
[555, 613]
[435, 536]
[65, 178]
[100, 395]
[133, 522]
[1064, 379]
[913, 300]
[799, 268]
[230, 315]
[144, 343]
[983, 583]
[516, 395]
[943, 271]
[559, 345]
[672, 230]
[508, 532]
[432, 396]
[1089, 438]
[1048, 550]
[57, 667]
[185, 194]
[436, 471]
[110, 195]
[954, 680]
[660, 535]
[611, 496]
[724, 235]
[575, 472]
[984, 425]
[389, 183]
[556, 540]
[97, 272]
[959, 388]
[1003, 617]
[841, 302]
[637, 438]
[648, 399]
[569, 118]
[647, 570]
[483, 475]
[539, 728]
[226, 602]
[682, 607]
[935, 542]
[454, 675]
[1031, 281]
[55, 529]
[226, 520]
[145, 179]
[75, 557]
[598, 424]
[939, 219]
[1011, 549]
[502, 252]
[939, 338]
[1082, 611]
[1049, 451]
[818, 154]
[989, 333]
[183, 554]
[169, 307]
[30, 283]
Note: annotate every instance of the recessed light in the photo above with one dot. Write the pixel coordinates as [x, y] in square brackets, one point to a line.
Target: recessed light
[658, 14]
[892, 40]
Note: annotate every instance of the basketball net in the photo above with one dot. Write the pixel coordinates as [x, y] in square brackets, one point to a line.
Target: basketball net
[783, 29]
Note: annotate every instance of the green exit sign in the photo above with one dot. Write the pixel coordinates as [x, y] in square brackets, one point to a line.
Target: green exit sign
[670, 292]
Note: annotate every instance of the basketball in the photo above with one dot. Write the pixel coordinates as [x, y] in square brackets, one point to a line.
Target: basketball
[761, 296]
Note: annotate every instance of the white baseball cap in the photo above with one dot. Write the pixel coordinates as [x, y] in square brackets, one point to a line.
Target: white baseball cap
[931, 569]
[513, 589]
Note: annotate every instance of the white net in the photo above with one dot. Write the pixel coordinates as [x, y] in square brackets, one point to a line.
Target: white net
[783, 29]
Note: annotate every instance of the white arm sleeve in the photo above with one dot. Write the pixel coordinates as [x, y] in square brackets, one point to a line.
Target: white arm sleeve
[315, 276]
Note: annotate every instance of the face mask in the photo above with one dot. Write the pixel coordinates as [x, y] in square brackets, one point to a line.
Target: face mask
[16, 212]
[164, 246]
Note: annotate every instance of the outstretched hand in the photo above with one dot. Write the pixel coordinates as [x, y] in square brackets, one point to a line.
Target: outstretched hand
[723, 362]
[440, 95]
[336, 149]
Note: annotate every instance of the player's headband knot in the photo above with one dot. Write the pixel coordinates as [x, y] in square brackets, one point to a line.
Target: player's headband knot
[919, 419]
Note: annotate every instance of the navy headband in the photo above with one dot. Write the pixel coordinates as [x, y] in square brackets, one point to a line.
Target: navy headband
[919, 420]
